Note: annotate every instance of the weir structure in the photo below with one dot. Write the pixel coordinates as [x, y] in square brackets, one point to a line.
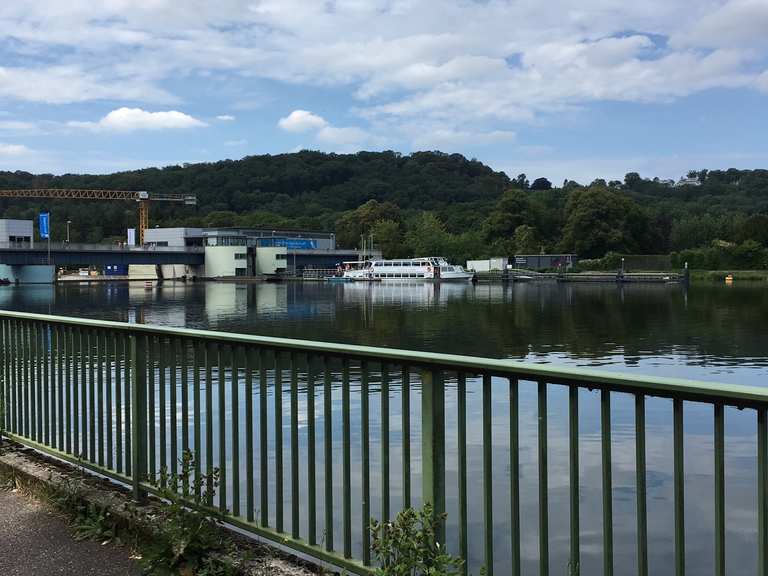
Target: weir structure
[275, 417]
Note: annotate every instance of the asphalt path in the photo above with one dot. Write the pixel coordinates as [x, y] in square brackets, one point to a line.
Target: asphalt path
[34, 541]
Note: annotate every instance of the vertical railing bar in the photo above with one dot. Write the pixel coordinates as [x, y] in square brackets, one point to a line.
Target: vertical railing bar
[117, 347]
[77, 385]
[543, 483]
[173, 350]
[311, 443]
[32, 380]
[84, 383]
[138, 361]
[488, 474]
[47, 388]
[35, 400]
[235, 409]
[366, 461]
[461, 392]
[642, 518]
[198, 354]
[222, 416]
[346, 460]
[679, 488]
[108, 385]
[151, 415]
[68, 356]
[514, 475]
[164, 349]
[60, 355]
[99, 346]
[91, 397]
[209, 357]
[575, 562]
[128, 392]
[384, 433]
[605, 426]
[21, 359]
[762, 491]
[249, 365]
[328, 455]
[406, 424]
[28, 392]
[5, 399]
[278, 391]
[295, 520]
[719, 489]
[263, 440]
[181, 350]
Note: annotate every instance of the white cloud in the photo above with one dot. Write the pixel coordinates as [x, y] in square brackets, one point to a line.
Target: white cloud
[130, 119]
[347, 138]
[13, 150]
[302, 121]
[66, 84]
[472, 70]
[18, 126]
[225, 118]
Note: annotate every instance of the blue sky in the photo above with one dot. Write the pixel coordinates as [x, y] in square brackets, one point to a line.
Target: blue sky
[557, 88]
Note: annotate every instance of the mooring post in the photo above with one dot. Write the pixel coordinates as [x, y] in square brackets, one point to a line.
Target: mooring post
[433, 445]
[139, 413]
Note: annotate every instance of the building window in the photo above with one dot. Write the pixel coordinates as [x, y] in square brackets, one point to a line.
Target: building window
[241, 256]
[240, 271]
[281, 256]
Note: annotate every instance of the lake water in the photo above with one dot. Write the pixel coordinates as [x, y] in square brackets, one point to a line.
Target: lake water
[707, 332]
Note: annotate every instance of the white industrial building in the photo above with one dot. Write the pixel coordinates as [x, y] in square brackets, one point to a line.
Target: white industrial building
[16, 232]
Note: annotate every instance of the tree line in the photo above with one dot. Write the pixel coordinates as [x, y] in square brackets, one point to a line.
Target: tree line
[432, 203]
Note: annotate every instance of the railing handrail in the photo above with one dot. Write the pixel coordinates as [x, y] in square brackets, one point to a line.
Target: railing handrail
[711, 392]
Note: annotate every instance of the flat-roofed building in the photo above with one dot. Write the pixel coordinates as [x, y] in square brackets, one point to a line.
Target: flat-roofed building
[16, 231]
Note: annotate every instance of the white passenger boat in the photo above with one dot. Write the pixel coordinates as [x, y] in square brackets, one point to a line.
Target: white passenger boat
[432, 269]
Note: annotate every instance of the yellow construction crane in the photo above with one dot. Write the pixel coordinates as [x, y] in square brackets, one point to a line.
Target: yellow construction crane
[141, 196]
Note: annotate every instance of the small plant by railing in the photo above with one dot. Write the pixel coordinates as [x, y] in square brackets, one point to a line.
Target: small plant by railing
[186, 537]
[408, 546]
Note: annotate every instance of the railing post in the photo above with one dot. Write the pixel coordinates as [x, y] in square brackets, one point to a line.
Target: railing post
[138, 360]
[433, 445]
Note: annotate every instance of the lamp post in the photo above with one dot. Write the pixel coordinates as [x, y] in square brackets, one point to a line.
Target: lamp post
[68, 223]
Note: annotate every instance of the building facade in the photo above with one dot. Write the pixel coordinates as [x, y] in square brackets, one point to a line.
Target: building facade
[17, 232]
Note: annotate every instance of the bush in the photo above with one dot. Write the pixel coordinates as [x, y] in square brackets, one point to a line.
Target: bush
[408, 546]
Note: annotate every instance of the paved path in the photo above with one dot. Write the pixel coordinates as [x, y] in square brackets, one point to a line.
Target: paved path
[32, 542]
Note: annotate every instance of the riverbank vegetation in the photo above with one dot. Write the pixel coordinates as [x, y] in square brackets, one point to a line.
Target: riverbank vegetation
[435, 203]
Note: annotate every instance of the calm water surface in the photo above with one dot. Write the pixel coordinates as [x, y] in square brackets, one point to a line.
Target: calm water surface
[708, 332]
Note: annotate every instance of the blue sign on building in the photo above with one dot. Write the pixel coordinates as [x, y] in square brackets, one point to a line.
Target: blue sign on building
[290, 243]
[44, 225]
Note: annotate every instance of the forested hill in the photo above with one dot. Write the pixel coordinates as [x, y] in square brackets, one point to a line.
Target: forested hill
[433, 203]
[305, 189]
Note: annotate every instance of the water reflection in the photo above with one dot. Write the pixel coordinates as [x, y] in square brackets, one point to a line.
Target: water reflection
[707, 332]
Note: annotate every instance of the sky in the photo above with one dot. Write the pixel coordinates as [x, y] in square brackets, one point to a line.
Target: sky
[555, 88]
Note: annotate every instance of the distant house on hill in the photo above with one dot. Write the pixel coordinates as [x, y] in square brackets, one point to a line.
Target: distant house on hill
[688, 181]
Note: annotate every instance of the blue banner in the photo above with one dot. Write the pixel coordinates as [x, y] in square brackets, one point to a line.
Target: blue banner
[44, 222]
[290, 243]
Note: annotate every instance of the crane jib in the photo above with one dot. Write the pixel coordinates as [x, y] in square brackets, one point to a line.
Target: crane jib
[141, 196]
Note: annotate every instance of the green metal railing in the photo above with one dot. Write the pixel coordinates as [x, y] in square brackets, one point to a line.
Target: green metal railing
[125, 400]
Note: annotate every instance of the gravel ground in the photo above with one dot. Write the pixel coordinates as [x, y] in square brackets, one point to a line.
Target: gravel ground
[33, 541]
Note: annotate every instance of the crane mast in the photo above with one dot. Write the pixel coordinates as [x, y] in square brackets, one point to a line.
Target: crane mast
[143, 198]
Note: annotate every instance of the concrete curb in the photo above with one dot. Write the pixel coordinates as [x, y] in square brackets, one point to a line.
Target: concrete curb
[40, 476]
